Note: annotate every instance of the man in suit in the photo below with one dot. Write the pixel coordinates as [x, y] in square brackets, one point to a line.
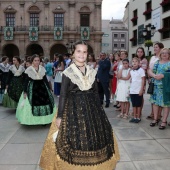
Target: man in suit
[103, 78]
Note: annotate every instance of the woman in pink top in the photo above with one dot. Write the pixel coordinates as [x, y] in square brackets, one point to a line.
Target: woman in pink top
[157, 48]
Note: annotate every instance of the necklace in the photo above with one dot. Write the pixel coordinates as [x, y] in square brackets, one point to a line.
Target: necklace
[79, 66]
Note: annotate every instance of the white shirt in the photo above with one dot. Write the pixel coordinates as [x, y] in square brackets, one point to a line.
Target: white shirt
[153, 61]
[136, 83]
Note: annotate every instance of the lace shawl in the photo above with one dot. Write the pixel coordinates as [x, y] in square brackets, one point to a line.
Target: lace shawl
[4, 68]
[33, 74]
[75, 75]
[15, 71]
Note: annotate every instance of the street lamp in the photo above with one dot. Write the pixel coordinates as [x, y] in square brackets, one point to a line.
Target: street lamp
[69, 47]
[148, 32]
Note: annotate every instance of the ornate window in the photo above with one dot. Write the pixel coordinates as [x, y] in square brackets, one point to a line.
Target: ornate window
[84, 20]
[10, 16]
[34, 15]
[85, 16]
[59, 20]
[10, 19]
[34, 19]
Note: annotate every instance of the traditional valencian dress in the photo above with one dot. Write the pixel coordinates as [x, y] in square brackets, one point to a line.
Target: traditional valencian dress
[15, 86]
[4, 69]
[85, 139]
[38, 107]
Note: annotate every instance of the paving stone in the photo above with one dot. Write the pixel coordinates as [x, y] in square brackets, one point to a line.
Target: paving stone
[1, 146]
[165, 143]
[153, 165]
[17, 167]
[145, 150]
[125, 166]
[6, 135]
[121, 123]
[14, 154]
[9, 125]
[131, 133]
[30, 134]
[123, 154]
[156, 133]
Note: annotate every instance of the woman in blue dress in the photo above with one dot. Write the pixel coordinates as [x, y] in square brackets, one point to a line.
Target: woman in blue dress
[160, 67]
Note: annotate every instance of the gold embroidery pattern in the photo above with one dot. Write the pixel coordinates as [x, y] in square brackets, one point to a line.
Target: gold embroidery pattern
[83, 82]
[50, 160]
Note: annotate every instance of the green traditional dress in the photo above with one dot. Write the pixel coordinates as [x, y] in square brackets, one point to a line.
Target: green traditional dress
[15, 86]
[38, 107]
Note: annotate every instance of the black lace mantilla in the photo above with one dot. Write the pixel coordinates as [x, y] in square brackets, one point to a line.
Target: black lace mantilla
[85, 136]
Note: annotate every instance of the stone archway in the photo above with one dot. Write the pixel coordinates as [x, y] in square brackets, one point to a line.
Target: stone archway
[90, 50]
[34, 49]
[10, 50]
[57, 48]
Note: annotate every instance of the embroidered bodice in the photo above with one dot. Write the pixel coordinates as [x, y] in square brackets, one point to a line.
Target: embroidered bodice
[4, 68]
[35, 75]
[84, 82]
[17, 71]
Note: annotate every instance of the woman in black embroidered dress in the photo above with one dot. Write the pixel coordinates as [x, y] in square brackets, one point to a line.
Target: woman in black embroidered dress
[14, 84]
[36, 105]
[4, 69]
[85, 140]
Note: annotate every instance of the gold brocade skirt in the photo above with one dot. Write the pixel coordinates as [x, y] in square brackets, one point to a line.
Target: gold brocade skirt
[50, 160]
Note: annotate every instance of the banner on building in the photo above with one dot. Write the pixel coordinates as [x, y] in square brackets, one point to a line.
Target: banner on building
[140, 34]
[58, 33]
[156, 18]
[85, 33]
[8, 33]
[33, 33]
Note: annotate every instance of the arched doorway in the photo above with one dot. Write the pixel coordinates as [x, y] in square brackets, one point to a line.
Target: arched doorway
[90, 50]
[34, 49]
[57, 48]
[10, 50]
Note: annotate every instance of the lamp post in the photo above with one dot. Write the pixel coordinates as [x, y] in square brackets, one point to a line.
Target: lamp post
[69, 47]
[148, 32]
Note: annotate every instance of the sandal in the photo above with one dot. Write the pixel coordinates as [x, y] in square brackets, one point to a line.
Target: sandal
[163, 127]
[150, 117]
[120, 115]
[125, 116]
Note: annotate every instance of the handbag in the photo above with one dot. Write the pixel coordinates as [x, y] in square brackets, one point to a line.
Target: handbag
[151, 84]
[151, 87]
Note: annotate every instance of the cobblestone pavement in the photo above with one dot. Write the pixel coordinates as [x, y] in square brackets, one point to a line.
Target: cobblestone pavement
[141, 147]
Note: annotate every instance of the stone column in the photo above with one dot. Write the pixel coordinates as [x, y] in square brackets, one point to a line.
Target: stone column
[97, 46]
[98, 16]
[71, 5]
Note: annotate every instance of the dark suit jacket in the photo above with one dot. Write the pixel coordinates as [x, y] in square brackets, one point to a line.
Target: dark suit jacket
[103, 70]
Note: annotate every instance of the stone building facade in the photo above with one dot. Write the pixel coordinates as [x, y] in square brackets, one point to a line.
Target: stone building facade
[46, 15]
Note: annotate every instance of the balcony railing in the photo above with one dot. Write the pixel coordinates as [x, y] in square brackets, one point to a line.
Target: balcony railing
[46, 28]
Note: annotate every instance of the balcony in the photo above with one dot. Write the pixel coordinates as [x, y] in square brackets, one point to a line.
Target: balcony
[46, 28]
[148, 11]
[165, 2]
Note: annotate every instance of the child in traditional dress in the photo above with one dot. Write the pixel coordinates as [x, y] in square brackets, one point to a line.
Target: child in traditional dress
[85, 140]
